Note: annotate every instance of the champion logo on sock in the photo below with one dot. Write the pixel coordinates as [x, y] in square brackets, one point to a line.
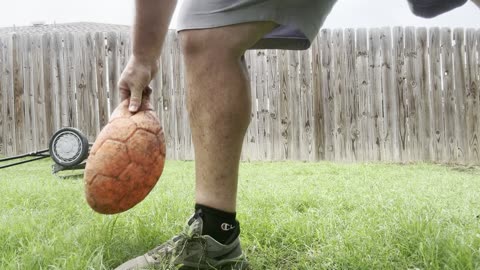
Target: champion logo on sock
[227, 227]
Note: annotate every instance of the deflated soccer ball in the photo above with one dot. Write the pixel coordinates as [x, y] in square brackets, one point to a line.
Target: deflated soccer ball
[126, 160]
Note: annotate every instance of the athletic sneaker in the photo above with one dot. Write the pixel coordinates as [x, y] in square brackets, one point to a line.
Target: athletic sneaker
[191, 250]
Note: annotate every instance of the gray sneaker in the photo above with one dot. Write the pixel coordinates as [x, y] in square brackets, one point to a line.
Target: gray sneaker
[191, 250]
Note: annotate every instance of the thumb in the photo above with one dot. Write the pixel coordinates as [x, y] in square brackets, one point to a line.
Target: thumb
[135, 100]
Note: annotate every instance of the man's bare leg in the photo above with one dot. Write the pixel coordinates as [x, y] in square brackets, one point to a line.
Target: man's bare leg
[218, 102]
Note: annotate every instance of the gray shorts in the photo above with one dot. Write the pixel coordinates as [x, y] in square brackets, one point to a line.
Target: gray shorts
[299, 20]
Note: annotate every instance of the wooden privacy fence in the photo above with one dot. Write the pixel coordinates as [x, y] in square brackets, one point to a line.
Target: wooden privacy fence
[401, 94]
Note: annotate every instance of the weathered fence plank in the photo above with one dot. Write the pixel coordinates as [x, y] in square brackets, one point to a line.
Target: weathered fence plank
[437, 95]
[293, 100]
[262, 105]
[179, 92]
[389, 97]
[39, 93]
[319, 121]
[400, 74]
[113, 70]
[30, 131]
[18, 94]
[2, 96]
[306, 107]
[328, 92]
[168, 99]
[60, 75]
[9, 99]
[81, 83]
[411, 95]
[101, 79]
[92, 93]
[457, 98]
[285, 118]
[472, 104]
[339, 95]
[57, 78]
[351, 97]
[69, 46]
[377, 133]
[48, 84]
[273, 91]
[477, 138]
[448, 93]
[363, 95]
[423, 102]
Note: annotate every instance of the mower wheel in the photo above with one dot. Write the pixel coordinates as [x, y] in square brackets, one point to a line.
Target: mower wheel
[68, 147]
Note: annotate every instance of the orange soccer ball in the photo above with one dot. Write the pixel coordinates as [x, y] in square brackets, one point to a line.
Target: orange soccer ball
[126, 160]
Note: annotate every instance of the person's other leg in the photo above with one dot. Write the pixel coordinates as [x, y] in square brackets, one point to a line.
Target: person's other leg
[218, 102]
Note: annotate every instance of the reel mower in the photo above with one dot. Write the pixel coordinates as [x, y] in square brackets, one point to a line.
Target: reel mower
[68, 147]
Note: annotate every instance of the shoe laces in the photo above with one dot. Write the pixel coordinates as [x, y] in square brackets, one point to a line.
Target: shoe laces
[178, 245]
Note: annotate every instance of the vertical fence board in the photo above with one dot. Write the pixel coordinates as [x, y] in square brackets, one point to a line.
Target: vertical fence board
[3, 89]
[168, 99]
[57, 80]
[39, 92]
[339, 95]
[81, 83]
[377, 137]
[251, 137]
[319, 122]
[179, 93]
[30, 132]
[410, 95]
[273, 91]
[306, 106]
[423, 102]
[61, 80]
[294, 99]
[9, 98]
[389, 97]
[351, 108]
[472, 105]
[113, 70]
[437, 95]
[460, 91]
[92, 92]
[363, 94]
[328, 93]
[18, 94]
[262, 110]
[101, 79]
[285, 119]
[399, 51]
[69, 46]
[448, 93]
[477, 83]
[48, 83]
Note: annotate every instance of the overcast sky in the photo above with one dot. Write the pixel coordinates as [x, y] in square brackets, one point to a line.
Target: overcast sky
[346, 13]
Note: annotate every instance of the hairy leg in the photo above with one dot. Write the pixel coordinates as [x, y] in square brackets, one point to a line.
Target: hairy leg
[218, 102]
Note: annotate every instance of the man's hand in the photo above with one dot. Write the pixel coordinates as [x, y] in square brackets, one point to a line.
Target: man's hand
[135, 79]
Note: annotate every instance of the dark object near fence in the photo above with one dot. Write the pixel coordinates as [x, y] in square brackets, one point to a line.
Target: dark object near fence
[68, 148]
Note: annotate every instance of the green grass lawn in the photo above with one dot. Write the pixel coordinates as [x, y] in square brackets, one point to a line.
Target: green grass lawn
[293, 216]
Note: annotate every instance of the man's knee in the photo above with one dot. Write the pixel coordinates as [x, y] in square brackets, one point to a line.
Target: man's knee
[231, 40]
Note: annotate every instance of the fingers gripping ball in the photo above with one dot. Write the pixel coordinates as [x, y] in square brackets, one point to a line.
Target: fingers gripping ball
[125, 161]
